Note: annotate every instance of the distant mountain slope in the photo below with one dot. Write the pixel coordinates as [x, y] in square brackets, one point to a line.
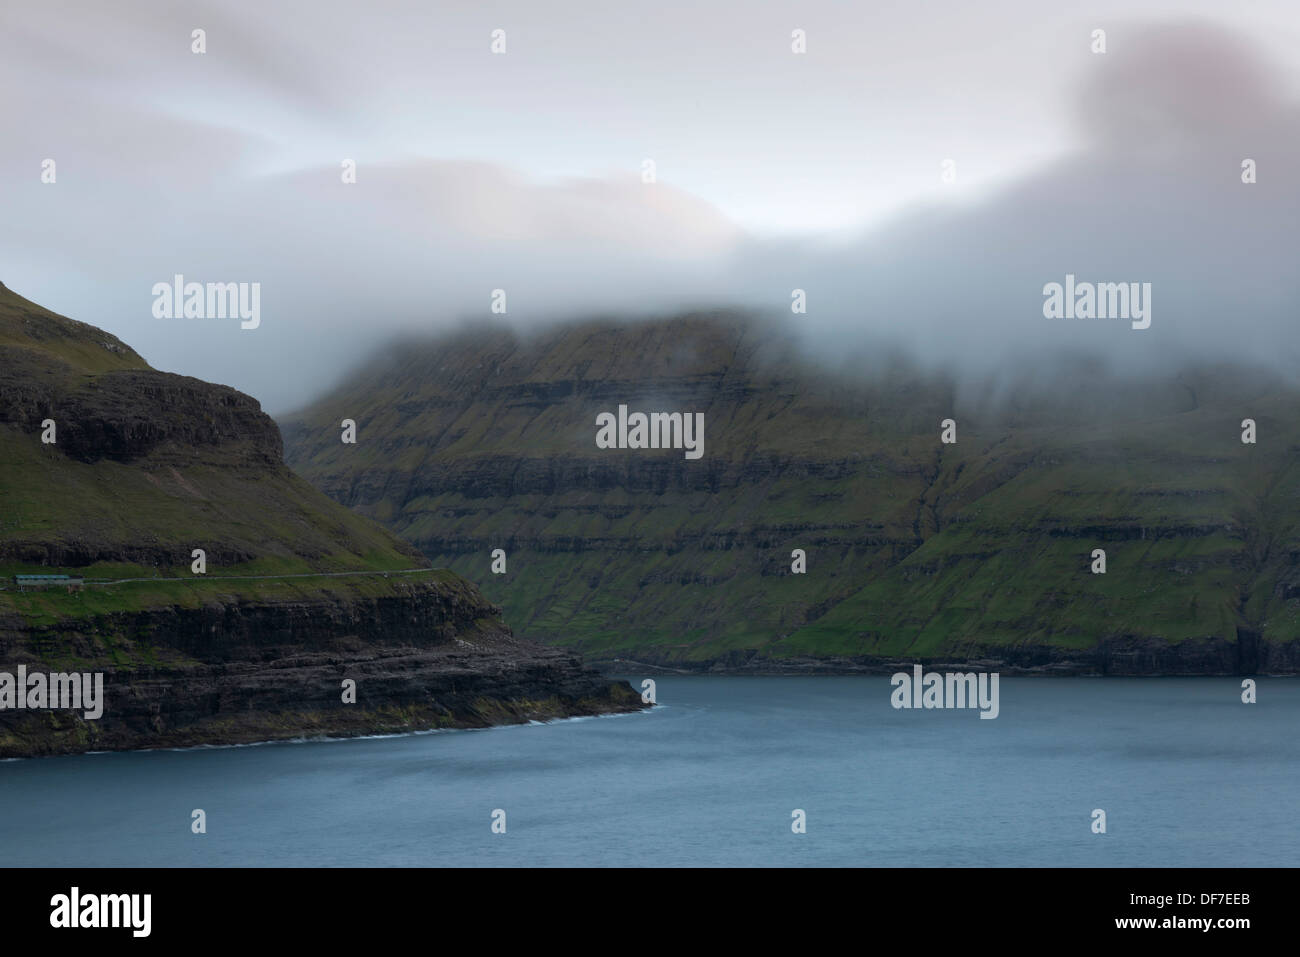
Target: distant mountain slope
[915, 549]
[299, 593]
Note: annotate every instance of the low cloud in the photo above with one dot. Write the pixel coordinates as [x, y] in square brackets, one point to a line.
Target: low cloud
[1153, 193]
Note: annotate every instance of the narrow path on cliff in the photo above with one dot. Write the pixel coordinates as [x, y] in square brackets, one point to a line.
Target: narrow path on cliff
[197, 578]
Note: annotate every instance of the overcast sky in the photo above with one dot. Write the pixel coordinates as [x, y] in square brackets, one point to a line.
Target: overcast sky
[774, 170]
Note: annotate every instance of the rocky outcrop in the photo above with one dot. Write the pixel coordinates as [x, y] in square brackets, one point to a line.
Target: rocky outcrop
[124, 416]
[431, 655]
[397, 690]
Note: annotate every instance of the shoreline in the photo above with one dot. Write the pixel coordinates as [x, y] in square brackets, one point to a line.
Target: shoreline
[336, 739]
[1195, 658]
[395, 691]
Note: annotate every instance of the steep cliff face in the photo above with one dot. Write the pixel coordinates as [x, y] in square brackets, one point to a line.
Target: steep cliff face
[118, 473]
[127, 415]
[108, 404]
[915, 549]
[432, 654]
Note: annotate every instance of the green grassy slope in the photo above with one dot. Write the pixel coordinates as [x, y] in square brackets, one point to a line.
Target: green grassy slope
[148, 466]
[484, 440]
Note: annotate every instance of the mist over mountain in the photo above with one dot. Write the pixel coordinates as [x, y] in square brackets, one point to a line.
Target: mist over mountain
[1139, 181]
[1154, 194]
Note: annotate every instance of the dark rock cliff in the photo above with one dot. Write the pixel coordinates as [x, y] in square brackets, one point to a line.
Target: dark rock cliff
[298, 595]
[435, 657]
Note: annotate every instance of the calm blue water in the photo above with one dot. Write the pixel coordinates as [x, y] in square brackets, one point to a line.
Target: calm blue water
[1186, 774]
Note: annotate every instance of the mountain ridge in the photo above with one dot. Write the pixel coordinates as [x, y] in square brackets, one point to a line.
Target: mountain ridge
[916, 550]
